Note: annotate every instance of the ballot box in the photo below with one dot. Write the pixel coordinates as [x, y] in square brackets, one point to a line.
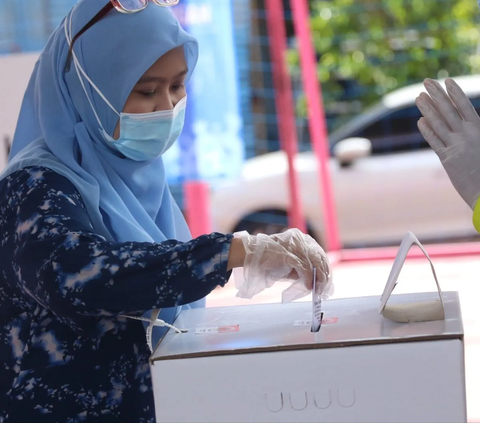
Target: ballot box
[263, 363]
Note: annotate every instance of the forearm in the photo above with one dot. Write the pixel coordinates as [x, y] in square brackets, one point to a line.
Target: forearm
[236, 256]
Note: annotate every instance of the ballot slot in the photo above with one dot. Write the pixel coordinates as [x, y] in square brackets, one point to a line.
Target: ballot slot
[317, 314]
[317, 328]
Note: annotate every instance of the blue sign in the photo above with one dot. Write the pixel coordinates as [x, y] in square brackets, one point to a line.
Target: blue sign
[211, 147]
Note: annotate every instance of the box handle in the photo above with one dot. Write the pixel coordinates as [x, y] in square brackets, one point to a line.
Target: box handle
[410, 312]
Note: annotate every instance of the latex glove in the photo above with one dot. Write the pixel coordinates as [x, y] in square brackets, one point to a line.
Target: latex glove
[286, 257]
[452, 128]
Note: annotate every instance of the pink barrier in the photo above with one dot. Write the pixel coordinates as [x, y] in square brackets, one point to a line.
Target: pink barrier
[388, 253]
[197, 207]
[284, 106]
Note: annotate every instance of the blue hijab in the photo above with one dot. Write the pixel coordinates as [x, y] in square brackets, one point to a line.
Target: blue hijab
[126, 200]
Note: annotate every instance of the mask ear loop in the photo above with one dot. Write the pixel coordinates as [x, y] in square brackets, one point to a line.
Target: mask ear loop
[153, 321]
[79, 70]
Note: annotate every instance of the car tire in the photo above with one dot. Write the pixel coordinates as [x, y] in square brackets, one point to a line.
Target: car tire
[268, 222]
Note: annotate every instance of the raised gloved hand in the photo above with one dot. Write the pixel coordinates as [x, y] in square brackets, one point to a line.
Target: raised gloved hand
[452, 128]
[286, 257]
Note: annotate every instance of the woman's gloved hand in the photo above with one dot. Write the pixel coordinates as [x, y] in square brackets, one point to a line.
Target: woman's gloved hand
[452, 128]
[286, 257]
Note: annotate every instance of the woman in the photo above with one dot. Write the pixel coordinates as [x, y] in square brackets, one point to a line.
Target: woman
[90, 233]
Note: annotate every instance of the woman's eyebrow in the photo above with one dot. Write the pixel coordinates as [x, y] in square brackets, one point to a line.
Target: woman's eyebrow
[147, 78]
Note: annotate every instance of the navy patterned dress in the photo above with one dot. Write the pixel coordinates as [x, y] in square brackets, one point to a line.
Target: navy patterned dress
[65, 355]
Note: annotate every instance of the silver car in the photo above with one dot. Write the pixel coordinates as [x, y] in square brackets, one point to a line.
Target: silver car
[386, 181]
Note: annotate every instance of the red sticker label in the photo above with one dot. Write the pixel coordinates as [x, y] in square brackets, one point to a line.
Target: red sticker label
[233, 328]
[218, 329]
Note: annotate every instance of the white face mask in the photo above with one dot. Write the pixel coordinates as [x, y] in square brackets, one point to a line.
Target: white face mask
[143, 136]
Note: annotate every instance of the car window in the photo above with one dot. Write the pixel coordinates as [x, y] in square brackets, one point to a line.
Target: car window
[397, 131]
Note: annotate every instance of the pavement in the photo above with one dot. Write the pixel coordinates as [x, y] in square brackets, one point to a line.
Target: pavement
[365, 278]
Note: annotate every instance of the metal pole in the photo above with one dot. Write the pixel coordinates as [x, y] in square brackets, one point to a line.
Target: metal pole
[284, 106]
[316, 119]
[197, 207]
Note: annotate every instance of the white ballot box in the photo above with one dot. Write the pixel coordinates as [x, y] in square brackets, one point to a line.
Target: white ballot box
[262, 363]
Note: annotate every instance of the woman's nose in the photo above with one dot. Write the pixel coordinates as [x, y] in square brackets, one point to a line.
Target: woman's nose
[165, 102]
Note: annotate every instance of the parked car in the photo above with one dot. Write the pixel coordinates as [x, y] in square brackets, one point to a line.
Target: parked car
[386, 181]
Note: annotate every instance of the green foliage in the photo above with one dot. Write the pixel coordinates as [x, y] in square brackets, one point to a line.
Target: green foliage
[387, 44]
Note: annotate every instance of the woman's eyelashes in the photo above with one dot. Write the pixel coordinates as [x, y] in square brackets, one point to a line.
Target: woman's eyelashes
[178, 87]
[148, 94]
[146, 90]
[175, 90]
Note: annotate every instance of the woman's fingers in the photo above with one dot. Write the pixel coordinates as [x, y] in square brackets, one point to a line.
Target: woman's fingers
[431, 115]
[444, 105]
[433, 140]
[461, 101]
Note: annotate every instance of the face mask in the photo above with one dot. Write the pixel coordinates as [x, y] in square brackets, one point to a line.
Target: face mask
[143, 136]
[146, 136]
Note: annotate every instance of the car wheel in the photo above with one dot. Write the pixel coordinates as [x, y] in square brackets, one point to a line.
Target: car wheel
[267, 222]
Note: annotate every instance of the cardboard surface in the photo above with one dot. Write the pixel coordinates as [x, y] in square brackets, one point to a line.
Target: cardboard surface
[263, 364]
[354, 321]
[403, 382]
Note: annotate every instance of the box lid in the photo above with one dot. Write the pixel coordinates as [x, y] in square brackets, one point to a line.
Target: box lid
[271, 327]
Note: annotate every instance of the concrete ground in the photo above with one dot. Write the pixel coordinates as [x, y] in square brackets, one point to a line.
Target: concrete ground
[355, 279]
